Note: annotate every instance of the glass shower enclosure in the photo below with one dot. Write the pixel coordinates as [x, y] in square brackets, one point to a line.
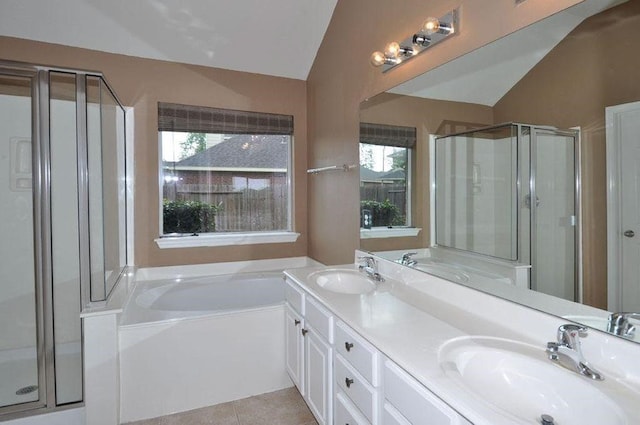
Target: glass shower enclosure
[63, 247]
[511, 192]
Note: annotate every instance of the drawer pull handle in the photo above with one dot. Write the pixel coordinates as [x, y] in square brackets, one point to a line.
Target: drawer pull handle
[296, 322]
[348, 345]
[348, 381]
[304, 331]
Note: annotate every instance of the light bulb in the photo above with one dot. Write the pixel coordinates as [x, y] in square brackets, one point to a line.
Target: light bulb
[431, 26]
[392, 50]
[378, 58]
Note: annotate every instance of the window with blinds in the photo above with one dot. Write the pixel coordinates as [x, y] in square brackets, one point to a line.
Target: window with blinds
[385, 172]
[224, 170]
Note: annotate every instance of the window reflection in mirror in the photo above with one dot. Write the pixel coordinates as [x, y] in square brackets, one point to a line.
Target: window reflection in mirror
[384, 199]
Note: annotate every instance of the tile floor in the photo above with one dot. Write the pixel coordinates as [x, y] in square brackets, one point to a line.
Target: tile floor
[284, 407]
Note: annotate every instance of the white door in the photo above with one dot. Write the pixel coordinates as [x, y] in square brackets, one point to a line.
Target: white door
[623, 172]
[294, 343]
[318, 377]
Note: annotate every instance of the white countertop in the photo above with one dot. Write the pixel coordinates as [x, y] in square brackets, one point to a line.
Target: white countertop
[409, 325]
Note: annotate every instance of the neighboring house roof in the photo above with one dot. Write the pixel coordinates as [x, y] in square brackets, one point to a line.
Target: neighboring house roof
[370, 175]
[243, 151]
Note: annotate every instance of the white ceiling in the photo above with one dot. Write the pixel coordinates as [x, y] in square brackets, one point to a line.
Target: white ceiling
[485, 75]
[274, 37]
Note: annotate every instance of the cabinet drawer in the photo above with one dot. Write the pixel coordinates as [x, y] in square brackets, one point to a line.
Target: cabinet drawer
[362, 355]
[294, 296]
[416, 403]
[347, 413]
[319, 318]
[391, 416]
[354, 386]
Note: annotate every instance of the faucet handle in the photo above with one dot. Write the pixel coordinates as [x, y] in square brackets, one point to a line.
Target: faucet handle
[619, 324]
[569, 335]
[369, 261]
[408, 255]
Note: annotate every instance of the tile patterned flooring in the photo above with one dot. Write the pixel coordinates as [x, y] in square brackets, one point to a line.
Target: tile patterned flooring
[284, 407]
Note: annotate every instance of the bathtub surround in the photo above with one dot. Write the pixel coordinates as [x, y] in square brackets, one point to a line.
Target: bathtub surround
[175, 356]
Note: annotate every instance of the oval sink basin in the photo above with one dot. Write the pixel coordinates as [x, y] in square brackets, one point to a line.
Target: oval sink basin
[518, 381]
[344, 281]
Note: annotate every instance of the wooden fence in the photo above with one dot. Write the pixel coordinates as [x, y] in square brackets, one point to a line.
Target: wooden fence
[395, 192]
[246, 210]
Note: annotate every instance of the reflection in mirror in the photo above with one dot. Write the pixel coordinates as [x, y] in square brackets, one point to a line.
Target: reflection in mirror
[385, 173]
[476, 191]
[571, 70]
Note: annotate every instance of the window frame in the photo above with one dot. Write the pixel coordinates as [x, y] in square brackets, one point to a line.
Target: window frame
[211, 239]
[407, 229]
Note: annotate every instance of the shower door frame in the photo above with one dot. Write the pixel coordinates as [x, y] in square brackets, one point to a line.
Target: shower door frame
[575, 134]
[40, 242]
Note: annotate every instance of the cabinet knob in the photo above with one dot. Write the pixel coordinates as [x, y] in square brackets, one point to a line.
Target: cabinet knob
[304, 331]
[296, 322]
[348, 381]
[348, 346]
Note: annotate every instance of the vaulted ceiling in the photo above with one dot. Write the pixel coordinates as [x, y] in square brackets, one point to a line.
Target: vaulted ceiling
[274, 37]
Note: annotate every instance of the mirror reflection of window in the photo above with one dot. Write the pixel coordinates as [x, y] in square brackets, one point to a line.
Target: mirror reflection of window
[385, 173]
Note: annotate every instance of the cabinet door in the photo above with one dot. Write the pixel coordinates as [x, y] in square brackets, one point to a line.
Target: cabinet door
[294, 341]
[318, 362]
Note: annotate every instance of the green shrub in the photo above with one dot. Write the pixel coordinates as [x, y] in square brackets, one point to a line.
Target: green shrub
[188, 216]
[384, 213]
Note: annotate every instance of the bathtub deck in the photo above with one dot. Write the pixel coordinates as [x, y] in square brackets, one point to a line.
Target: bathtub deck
[283, 407]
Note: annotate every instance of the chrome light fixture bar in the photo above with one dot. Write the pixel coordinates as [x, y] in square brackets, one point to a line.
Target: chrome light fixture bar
[432, 32]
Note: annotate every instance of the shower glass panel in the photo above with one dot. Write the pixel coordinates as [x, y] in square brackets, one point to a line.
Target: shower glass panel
[476, 177]
[555, 214]
[94, 162]
[511, 192]
[113, 187]
[65, 249]
[106, 162]
[19, 363]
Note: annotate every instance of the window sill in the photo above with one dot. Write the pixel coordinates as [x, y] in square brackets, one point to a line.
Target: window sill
[383, 232]
[226, 239]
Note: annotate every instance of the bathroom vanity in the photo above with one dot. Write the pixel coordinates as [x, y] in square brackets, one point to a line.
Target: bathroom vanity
[416, 349]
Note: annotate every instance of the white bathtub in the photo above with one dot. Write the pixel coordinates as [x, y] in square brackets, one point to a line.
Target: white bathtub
[181, 298]
[193, 342]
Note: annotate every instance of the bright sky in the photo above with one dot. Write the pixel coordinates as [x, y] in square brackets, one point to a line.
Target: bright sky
[381, 160]
[171, 144]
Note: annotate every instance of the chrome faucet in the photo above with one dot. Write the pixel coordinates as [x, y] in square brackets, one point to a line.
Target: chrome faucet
[406, 259]
[568, 352]
[370, 267]
[619, 324]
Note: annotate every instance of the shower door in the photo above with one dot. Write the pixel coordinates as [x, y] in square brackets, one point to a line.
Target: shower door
[554, 212]
[21, 355]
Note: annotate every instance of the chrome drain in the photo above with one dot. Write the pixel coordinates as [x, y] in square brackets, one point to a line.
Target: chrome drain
[27, 390]
[547, 419]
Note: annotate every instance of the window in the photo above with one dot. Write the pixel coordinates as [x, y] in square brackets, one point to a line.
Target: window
[223, 171]
[385, 170]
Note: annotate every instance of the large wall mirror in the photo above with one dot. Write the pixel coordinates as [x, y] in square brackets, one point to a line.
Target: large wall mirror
[567, 86]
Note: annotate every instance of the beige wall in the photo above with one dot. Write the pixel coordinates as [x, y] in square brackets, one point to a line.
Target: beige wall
[141, 83]
[342, 77]
[326, 113]
[594, 67]
[427, 116]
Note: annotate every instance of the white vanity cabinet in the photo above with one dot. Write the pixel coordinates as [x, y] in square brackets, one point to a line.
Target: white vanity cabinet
[407, 402]
[309, 353]
[357, 377]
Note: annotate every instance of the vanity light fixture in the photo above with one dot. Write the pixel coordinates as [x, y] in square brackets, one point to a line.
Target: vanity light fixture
[432, 31]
